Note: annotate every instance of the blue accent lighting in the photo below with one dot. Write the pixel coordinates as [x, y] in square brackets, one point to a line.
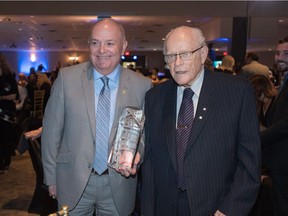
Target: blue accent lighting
[123, 57]
[135, 57]
[222, 39]
[25, 63]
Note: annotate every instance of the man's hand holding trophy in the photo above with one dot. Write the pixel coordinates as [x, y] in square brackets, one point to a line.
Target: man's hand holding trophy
[124, 156]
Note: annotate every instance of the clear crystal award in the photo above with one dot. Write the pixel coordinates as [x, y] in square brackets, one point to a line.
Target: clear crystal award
[127, 139]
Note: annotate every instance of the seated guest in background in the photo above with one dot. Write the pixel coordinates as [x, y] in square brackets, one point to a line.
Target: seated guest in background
[205, 160]
[227, 65]
[79, 128]
[252, 67]
[265, 91]
[31, 87]
[154, 76]
[22, 83]
[43, 83]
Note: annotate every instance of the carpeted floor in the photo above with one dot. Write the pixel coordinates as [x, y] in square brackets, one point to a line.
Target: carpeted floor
[17, 187]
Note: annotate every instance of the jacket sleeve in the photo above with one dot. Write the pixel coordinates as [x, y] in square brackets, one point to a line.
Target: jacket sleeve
[53, 125]
[244, 189]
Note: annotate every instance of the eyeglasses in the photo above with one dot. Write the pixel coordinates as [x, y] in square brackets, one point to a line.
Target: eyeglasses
[184, 56]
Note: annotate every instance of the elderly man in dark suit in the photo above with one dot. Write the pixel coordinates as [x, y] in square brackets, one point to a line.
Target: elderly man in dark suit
[275, 137]
[202, 153]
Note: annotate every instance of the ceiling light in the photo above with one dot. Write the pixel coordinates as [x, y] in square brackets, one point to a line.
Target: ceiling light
[280, 20]
[32, 57]
[188, 21]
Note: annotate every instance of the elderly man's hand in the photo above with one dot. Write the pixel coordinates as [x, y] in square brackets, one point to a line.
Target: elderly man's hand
[52, 191]
[126, 168]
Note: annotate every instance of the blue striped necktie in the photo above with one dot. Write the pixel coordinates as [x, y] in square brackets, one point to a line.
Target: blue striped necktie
[102, 128]
[184, 125]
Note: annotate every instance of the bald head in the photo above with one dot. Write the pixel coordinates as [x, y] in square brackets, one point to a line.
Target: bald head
[185, 53]
[194, 35]
[109, 23]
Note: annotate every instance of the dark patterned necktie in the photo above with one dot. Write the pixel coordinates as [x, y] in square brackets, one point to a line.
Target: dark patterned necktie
[184, 125]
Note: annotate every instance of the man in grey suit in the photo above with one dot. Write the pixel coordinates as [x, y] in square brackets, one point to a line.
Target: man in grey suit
[70, 141]
[207, 163]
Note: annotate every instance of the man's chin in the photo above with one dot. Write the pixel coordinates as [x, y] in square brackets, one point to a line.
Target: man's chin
[282, 70]
[181, 82]
[282, 67]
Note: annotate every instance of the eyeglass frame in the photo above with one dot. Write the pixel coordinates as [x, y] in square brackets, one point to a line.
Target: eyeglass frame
[181, 55]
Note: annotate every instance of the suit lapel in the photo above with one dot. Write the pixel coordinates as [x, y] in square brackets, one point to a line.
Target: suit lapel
[205, 105]
[89, 97]
[121, 101]
[170, 121]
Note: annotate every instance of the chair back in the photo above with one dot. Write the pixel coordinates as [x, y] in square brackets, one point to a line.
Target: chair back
[38, 103]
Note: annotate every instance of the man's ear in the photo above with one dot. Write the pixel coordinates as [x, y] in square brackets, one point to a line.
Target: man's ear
[125, 44]
[204, 54]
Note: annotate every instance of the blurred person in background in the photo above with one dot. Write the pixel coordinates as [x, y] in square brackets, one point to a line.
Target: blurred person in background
[252, 67]
[275, 137]
[265, 92]
[227, 65]
[8, 92]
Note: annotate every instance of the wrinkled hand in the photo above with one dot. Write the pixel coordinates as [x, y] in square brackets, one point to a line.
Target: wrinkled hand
[52, 191]
[126, 168]
[34, 134]
[218, 213]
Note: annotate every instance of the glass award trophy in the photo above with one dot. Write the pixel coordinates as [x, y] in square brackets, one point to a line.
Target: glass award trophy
[128, 134]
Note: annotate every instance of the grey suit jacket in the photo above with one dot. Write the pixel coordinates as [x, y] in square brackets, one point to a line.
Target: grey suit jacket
[222, 160]
[68, 137]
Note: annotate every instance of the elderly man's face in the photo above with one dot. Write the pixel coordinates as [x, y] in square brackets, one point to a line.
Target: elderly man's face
[106, 46]
[281, 57]
[184, 72]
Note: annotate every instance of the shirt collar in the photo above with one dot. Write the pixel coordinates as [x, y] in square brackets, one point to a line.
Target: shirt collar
[113, 77]
[197, 84]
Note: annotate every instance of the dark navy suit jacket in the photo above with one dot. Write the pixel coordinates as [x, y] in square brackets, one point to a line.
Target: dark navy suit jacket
[222, 162]
[275, 137]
